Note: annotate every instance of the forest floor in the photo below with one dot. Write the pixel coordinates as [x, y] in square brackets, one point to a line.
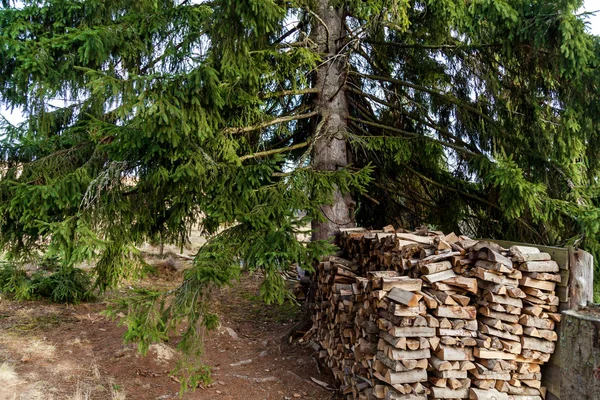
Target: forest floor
[55, 352]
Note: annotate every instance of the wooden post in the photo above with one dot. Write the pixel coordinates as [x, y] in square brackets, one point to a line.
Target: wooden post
[581, 279]
[580, 354]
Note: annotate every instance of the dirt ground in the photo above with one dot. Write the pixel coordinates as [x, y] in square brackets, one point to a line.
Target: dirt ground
[52, 352]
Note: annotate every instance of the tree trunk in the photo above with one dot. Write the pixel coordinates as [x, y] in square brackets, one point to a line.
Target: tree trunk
[330, 148]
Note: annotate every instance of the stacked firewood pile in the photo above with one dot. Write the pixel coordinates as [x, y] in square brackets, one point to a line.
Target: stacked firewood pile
[424, 315]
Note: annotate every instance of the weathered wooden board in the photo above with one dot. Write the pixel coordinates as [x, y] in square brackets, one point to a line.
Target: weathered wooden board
[581, 279]
[551, 378]
[563, 293]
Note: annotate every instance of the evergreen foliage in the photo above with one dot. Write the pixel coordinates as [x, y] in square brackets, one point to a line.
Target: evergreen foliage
[146, 118]
[67, 285]
[14, 282]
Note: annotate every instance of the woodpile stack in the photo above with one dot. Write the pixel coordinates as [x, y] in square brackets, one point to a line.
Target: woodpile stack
[335, 311]
[539, 318]
[439, 268]
[513, 312]
[423, 315]
[405, 334]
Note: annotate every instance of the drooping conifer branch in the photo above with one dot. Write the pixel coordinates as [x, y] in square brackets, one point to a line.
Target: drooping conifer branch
[430, 124]
[449, 98]
[274, 121]
[460, 46]
[411, 134]
[474, 197]
[274, 151]
[295, 92]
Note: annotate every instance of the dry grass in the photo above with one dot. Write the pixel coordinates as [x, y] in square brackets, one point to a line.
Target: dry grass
[8, 375]
[83, 392]
[115, 391]
[163, 352]
[40, 349]
[95, 370]
[8, 380]
[117, 395]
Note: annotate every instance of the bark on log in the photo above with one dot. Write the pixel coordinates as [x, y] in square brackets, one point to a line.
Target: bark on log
[580, 353]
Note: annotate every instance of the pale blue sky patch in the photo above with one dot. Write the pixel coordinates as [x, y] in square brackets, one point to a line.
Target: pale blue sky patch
[594, 20]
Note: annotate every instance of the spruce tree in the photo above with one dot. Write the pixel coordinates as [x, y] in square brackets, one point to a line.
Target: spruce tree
[146, 118]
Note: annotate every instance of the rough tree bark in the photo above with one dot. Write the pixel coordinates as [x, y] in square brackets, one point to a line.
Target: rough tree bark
[330, 146]
[580, 354]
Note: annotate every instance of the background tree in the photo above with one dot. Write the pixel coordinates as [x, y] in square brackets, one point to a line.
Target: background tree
[146, 118]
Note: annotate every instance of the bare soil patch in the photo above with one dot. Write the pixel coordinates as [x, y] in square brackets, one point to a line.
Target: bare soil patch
[50, 351]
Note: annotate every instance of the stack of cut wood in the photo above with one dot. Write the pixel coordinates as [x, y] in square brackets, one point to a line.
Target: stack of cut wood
[365, 349]
[358, 246]
[500, 305]
[406, 335]
[540, 314]
[456, 325]
[334, 316]
[415, 316]
[508, 357]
